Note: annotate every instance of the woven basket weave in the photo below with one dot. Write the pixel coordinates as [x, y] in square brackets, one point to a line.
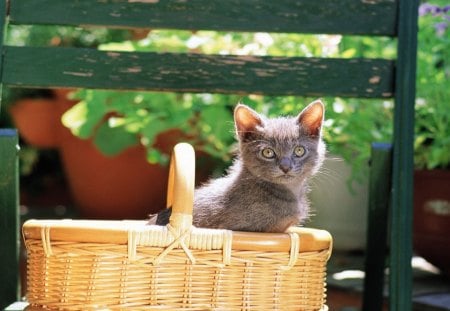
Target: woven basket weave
[115, 265]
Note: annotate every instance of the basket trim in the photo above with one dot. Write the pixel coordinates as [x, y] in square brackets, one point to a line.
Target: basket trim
[194, 238]
[117, 232]
[170, 238]
[179, 241]
[293, 254]
[46, 243]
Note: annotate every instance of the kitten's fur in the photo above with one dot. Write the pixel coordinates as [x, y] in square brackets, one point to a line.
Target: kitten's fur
[264, 193]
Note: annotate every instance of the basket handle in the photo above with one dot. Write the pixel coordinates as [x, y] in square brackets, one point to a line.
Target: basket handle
[180, 192]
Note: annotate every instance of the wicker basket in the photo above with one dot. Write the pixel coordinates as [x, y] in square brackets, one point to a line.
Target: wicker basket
[114, 265]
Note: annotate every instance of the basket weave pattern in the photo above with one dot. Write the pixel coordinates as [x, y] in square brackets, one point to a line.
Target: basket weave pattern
[99, 275]
[115, 265]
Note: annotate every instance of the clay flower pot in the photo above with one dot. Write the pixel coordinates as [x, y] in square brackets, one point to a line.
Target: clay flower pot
[36, 119]
[123, 186]
[432, 217]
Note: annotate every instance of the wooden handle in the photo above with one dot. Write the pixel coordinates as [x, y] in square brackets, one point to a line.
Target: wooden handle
[180, 192]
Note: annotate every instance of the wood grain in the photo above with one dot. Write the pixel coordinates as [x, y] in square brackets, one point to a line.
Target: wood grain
[89, 68]
[374, 17]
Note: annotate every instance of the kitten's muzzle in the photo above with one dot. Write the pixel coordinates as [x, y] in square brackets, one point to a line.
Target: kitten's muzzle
[285, 165]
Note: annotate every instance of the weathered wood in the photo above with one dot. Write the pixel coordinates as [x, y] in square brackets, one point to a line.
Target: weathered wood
[380, 189]
[9, 202]
[9, 218]
[60, 67]
[374, 17]
[400, 285]
[2, 33]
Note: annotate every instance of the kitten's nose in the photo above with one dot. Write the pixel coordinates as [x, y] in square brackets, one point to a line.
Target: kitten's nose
[285, 165]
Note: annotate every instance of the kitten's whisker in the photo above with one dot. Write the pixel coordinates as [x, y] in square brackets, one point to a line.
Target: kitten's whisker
[330, 172]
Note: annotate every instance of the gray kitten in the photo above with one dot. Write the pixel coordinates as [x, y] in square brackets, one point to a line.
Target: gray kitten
[265, 189]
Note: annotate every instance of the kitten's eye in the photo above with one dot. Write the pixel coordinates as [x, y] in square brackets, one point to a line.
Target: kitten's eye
[268, 153]
[299, 151]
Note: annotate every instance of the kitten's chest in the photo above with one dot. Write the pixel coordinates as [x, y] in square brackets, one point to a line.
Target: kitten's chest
[269, 198]
[282, 206]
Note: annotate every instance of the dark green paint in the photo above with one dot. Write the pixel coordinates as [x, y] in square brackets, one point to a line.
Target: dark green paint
[2, 31]
[197, 73]
[9, 218]
[402, 206]
[374, 17]
[9, 202]
[377, 225]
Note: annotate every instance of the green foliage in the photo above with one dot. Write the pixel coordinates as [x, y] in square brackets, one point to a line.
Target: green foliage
[117, 120]
[352, 125]
[45, 35]
[432, 143]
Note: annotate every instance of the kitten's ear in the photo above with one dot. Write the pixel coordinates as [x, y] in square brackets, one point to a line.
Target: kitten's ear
[246, 120]
[311, 118]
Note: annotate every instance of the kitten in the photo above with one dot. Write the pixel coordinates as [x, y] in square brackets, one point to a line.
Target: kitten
[265, 188]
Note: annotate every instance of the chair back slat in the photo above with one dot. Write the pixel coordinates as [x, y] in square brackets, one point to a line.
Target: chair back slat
[89, 68]
[374, 17]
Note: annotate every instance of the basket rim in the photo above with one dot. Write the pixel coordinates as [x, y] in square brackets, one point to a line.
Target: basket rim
[117, 232]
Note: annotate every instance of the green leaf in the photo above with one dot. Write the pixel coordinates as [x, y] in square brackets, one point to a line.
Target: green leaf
[154, 156]
[112, 140]
[81, 120]
[349, 53]
[152, 129]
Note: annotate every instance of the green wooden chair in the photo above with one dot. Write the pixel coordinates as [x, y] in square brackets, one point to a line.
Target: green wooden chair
[51, 67]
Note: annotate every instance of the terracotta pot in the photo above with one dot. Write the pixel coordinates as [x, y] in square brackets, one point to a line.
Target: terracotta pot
[118, 187]
[432, 217]
[111, 187]
[123, 186]
[36, 119]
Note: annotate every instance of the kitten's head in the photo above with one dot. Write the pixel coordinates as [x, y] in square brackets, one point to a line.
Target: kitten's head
[281, 150]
